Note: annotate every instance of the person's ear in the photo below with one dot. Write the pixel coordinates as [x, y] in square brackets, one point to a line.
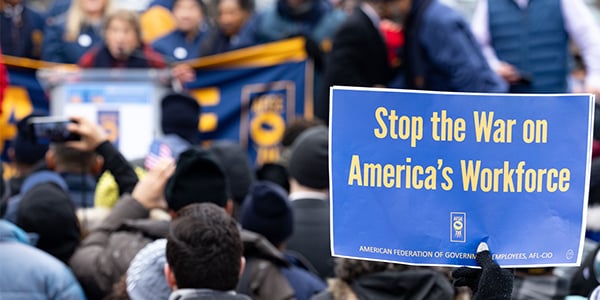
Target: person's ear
[98, 164]
[229, 207]
[242, 265]
[51, 159]
[170, 276]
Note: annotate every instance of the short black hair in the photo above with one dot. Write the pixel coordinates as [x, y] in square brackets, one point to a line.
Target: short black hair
[245, 5]
[204, 249]
[73, 160]
[200, 3]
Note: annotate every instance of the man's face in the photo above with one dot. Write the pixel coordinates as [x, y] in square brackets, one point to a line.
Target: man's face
[398, 10]
[121, 39]
[188, 15]
[231, 17]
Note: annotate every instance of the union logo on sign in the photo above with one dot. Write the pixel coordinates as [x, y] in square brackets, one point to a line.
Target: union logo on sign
[458, 227]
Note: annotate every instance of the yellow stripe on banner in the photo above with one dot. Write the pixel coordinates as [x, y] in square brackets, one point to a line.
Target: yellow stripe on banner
[264, 55]
[257, 56]
[13, 61]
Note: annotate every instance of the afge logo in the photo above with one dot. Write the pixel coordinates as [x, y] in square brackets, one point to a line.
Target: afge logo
[458, 227]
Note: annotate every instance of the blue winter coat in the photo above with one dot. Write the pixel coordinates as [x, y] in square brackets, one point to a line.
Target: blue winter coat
[29, 273]
[24, 40]
[175, 47]
[453, 59]
[58, 49]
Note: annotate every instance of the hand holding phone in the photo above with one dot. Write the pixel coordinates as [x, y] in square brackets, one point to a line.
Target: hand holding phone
[92, 134]
[48, 130]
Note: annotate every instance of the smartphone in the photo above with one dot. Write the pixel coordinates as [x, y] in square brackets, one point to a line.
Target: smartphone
[48, 130]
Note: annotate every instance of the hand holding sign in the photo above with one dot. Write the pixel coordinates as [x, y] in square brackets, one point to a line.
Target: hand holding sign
[489, 282]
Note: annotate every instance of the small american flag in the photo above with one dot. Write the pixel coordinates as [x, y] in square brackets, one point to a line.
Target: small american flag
[158, 150]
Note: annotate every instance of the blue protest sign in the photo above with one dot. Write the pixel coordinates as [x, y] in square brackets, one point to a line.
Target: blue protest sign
[423, 178]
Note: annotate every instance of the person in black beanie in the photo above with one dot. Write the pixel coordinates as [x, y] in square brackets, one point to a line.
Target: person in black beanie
[309, 194]
[47, 211]
[267, 211]
[180, 114]
[27, 155]
[107, 251]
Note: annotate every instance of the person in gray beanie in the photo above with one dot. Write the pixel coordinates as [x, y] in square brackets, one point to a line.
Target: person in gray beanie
[309, 195]
[145, 278]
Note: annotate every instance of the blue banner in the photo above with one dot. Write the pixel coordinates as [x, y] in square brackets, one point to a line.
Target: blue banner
[247, 95]
[423, 178]
[252, 102]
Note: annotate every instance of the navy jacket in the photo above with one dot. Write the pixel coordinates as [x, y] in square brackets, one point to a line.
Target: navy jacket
[534, 40]
[23, 38]
[452, 58]
[304, 283]
[57, 48]
[175, 47]
[216, 42]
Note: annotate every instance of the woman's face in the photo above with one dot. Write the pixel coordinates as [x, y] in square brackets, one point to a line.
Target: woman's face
[188, 15]
[93, 6]
[121, 39]
[231, 17]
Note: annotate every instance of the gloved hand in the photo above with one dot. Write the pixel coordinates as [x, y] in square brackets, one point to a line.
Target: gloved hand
[489, 282]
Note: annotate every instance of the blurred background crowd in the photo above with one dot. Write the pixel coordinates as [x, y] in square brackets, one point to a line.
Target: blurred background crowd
[203, 222]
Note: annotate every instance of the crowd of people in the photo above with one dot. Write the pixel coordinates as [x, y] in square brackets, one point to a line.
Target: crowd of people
[79, 221]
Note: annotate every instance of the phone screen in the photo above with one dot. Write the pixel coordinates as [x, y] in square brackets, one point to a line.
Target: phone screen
[50, 130]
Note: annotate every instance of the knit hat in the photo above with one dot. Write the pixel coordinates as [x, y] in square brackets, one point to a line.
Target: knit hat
[267, 211]
[309, 162]
[27, 150]
[145, 276]
[47, 210]
[236, 164]
[180, 115]
[275, 173]
[198, 178]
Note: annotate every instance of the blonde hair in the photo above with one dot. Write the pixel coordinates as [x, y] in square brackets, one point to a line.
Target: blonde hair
[76, 18]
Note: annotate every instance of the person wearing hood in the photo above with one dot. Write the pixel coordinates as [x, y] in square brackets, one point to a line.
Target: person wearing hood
[358, 279]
